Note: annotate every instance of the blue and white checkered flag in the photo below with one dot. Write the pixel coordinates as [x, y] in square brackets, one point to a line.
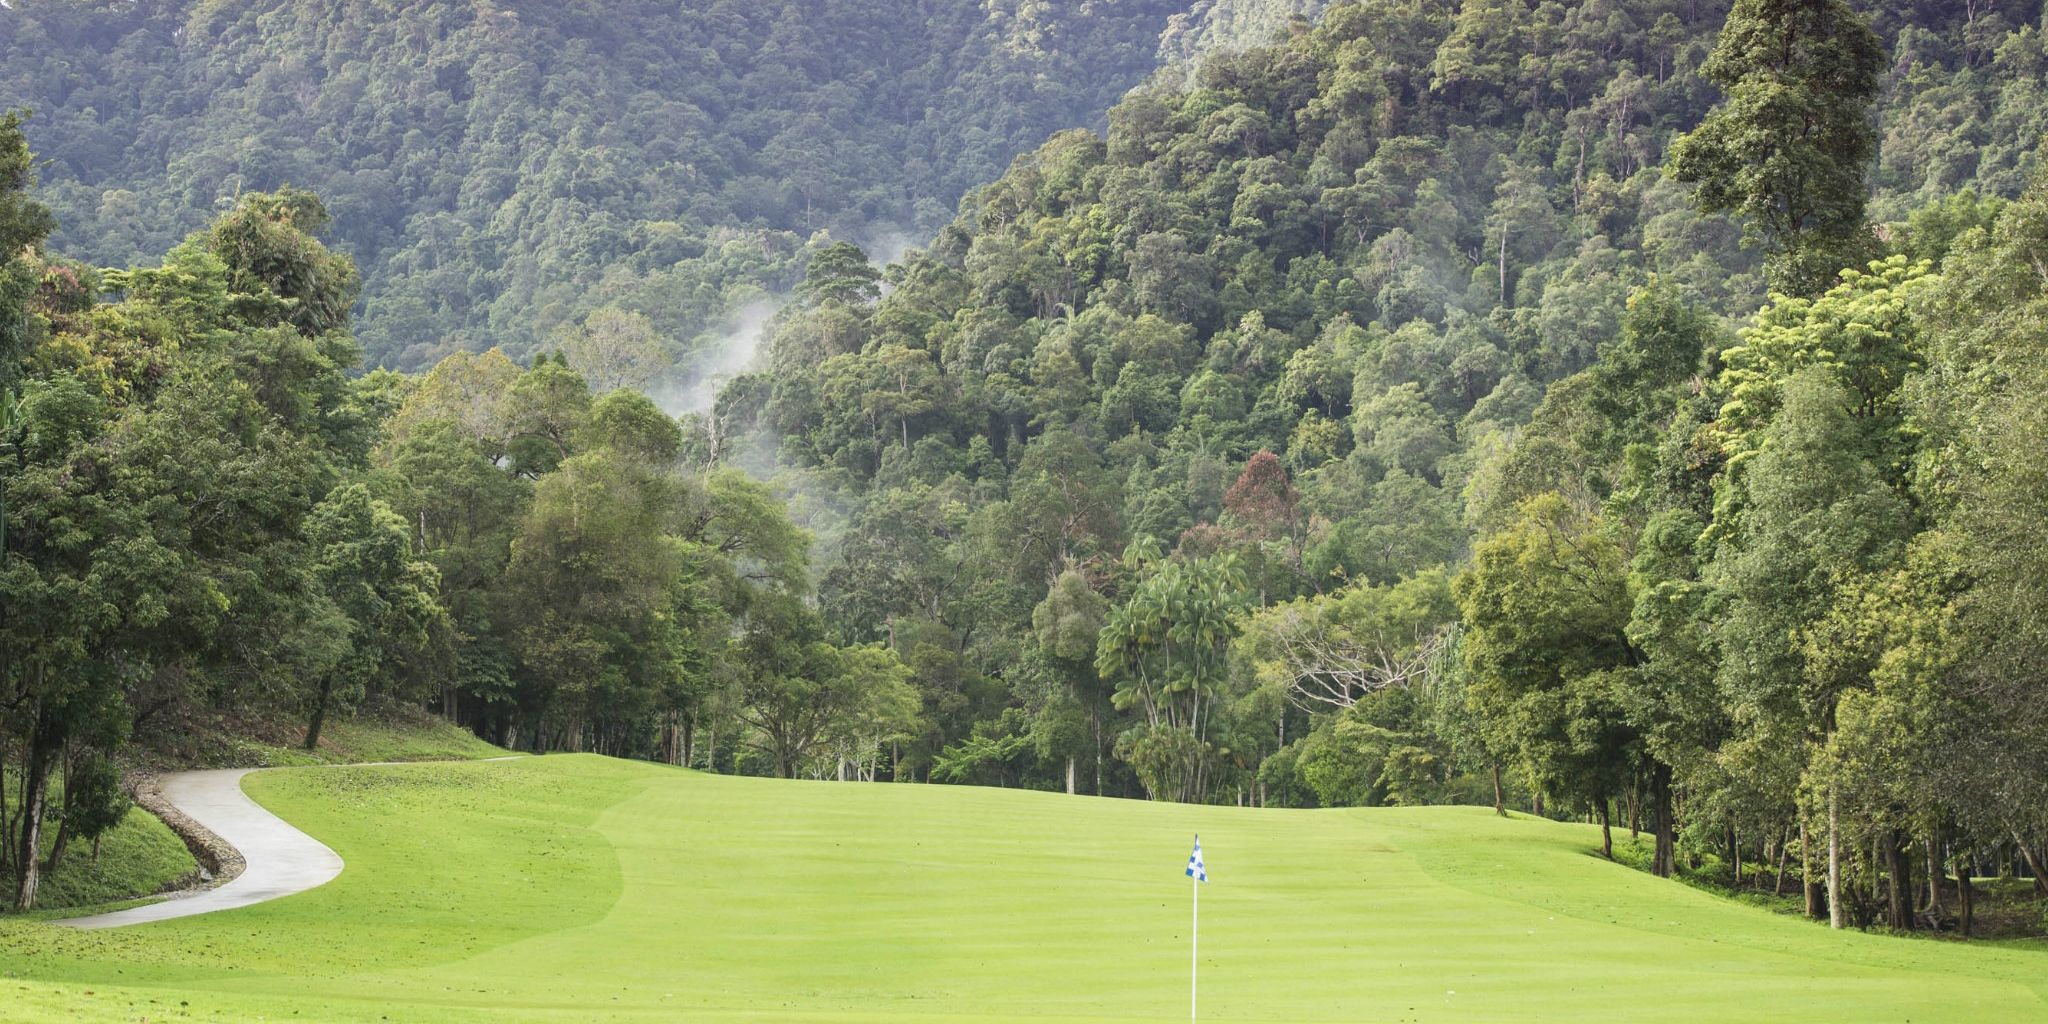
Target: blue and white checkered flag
[1195, 869]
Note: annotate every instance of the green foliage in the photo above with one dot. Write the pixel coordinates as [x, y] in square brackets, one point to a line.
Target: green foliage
[388, 602]
[796, 690]
[23, 225]
[1860, 332]
[1351, 421]
[1787, 152]
[207, 517]
[1330, 308]
[1164, 650]
[1544, 605]
[502, 174]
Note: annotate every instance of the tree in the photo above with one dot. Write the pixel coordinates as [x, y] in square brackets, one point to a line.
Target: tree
[885, 711]
[278, 272]
[390, 601]
[1172, 281]
[1166, 649]
[629, 422]
[1406, 527]
[1068, 624]
[1521, 218]
[794, 688]
[1815, 512]
[1788, 150]
[587, 602]
[914, 387]
[94, 802]
[24, 223]
[542, 413]
[841, 273]
[614, 348]
[1064, 502]
[1333, 650]
[1263, 502]
[1861, 334]
[1545, 608]
[1401, 432]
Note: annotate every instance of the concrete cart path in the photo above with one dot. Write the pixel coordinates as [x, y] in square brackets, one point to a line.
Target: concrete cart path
[279, 859]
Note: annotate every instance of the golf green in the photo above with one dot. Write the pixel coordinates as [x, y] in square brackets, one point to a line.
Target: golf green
[577, 888]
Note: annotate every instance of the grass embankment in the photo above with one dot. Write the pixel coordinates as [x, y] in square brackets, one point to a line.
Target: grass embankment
[382, 734]
[137, 857]
[366, 740]
[574, 888]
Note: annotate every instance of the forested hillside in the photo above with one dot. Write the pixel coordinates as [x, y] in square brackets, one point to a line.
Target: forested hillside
[501, 170]
[1618, 410]
[1406, 414]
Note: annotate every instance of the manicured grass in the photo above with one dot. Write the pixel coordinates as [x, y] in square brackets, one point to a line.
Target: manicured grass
[574, 888]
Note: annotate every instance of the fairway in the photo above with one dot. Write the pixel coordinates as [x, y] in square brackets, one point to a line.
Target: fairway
[577, 888]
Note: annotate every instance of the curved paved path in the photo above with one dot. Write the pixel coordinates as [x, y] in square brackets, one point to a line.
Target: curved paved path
[279, 859]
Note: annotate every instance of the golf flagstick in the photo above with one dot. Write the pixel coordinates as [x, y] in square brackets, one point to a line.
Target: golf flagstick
[1197, 874]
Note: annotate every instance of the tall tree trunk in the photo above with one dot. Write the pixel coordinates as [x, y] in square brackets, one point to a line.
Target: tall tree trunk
[1070, 774]
[689, 740]
[57, 848]
[1503, 263]
[6, 817]
[1966, 895]
[1934, 872]
[1807, 885]
[1734, 855]
[1665, 861]
[1900, 894]
[1095, 726]
[1606, 833]
[1784, 851]
[319, 713]
[64, 830]
[35, 797]
[1500, 805]
[1835, 918]
[2033, 864]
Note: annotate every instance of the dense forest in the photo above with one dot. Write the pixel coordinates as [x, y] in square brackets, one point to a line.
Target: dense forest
[1625, 411]
[499, 172]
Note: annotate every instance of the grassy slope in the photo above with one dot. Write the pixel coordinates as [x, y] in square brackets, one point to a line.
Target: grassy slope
[581, 889]
[359, 740]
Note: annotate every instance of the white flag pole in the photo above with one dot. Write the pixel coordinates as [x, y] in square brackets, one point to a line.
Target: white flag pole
[1195, 950]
